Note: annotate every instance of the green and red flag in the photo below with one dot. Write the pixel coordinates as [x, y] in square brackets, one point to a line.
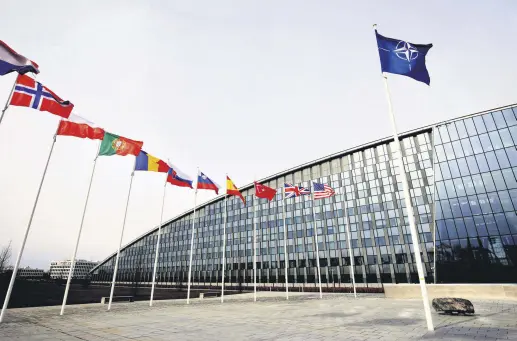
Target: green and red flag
[117, 145]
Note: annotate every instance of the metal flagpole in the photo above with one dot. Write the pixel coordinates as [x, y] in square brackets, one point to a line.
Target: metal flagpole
[254, 249]
[8, 101]
[350, 252]
[316, 239]
[158, 243]
[224, 244]
[20, 253]
[285, 244]
[121, 235]
[192, 242]
[74, 254]
[410, 213]
[434, 204]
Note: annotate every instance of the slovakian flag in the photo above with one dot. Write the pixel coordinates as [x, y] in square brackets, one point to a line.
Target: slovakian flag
[117, 145]
[149, 163]
[177, 178]
[29, 93]
[265, 192]
[231, 189]
[11, 61]
[80, 127]
[204, 182]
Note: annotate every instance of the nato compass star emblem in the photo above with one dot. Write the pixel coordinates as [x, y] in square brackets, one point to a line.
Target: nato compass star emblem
[406, 51]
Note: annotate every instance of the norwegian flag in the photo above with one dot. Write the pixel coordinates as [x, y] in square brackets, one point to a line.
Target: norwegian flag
[32, 94]
[322, 191]
[295, 191]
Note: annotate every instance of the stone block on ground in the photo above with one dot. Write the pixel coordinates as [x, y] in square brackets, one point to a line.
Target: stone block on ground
[451, 305]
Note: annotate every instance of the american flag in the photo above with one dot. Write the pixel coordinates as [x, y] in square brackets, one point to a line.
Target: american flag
[295, 191]
[322, 191]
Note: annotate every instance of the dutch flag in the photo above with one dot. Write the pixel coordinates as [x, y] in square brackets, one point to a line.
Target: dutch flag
[11, 61]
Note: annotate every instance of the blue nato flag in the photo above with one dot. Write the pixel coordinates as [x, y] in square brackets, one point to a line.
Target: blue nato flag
[403, 58]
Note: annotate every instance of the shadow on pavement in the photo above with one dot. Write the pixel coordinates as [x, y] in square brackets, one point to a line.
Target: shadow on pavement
[484, 333]
[387, 322]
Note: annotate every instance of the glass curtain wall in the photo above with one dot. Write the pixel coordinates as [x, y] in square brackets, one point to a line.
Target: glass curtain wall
[474, 202]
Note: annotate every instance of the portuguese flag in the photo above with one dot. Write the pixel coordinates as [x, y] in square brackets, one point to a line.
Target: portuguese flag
[117, 145]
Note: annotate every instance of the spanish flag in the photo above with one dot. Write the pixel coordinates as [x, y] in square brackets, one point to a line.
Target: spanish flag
[147, 162]
[231, 189]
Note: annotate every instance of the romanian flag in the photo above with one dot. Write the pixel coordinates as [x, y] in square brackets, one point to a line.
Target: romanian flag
[231, 189]
[147, 162]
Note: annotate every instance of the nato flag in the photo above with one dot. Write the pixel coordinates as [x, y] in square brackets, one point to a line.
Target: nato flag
[403, 58]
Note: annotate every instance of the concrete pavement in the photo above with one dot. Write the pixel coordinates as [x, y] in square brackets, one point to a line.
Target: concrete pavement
[303, 317]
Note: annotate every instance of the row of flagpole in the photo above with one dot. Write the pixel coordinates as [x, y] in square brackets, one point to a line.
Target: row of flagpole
[403, 64]
[256, 223]
[193, 232]
[192, 242]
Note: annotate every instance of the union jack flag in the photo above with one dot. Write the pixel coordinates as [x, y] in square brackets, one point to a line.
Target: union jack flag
[295, 191]
[32, 94]
[322, 191]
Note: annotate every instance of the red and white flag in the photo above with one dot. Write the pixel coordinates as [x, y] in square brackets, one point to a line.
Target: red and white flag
[80, 127]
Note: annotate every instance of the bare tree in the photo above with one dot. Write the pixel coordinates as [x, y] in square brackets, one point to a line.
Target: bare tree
[5, 257]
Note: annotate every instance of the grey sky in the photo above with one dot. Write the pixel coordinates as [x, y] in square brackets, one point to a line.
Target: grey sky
[245, 87]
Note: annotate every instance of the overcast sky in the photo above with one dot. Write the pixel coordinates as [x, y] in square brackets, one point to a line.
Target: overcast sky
[245, 87]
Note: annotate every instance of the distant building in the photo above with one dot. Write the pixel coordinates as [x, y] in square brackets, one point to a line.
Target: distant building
[29, 273]
[60, 269]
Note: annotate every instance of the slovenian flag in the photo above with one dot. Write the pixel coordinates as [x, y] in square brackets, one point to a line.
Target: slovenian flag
[11, 61]
[204, 182]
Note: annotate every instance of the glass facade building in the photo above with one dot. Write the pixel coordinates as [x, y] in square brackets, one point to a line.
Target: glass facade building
[463, 183]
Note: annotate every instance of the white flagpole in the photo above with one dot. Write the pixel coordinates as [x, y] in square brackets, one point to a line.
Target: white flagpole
[316, 239]
[410, 213]
[8, 101]
[350, 252]
[121, 235]
[158, 243]
[285, 244]
[22, 247]
[192, 242]
[255, 248]
[74, 254]
[434, 203]
[224, 244]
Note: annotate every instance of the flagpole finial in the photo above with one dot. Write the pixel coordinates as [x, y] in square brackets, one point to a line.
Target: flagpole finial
[374, 26]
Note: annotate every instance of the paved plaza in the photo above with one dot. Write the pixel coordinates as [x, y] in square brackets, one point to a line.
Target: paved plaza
[303, 317]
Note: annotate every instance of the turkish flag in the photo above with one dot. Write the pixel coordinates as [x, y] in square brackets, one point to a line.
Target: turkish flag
[262, 191]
